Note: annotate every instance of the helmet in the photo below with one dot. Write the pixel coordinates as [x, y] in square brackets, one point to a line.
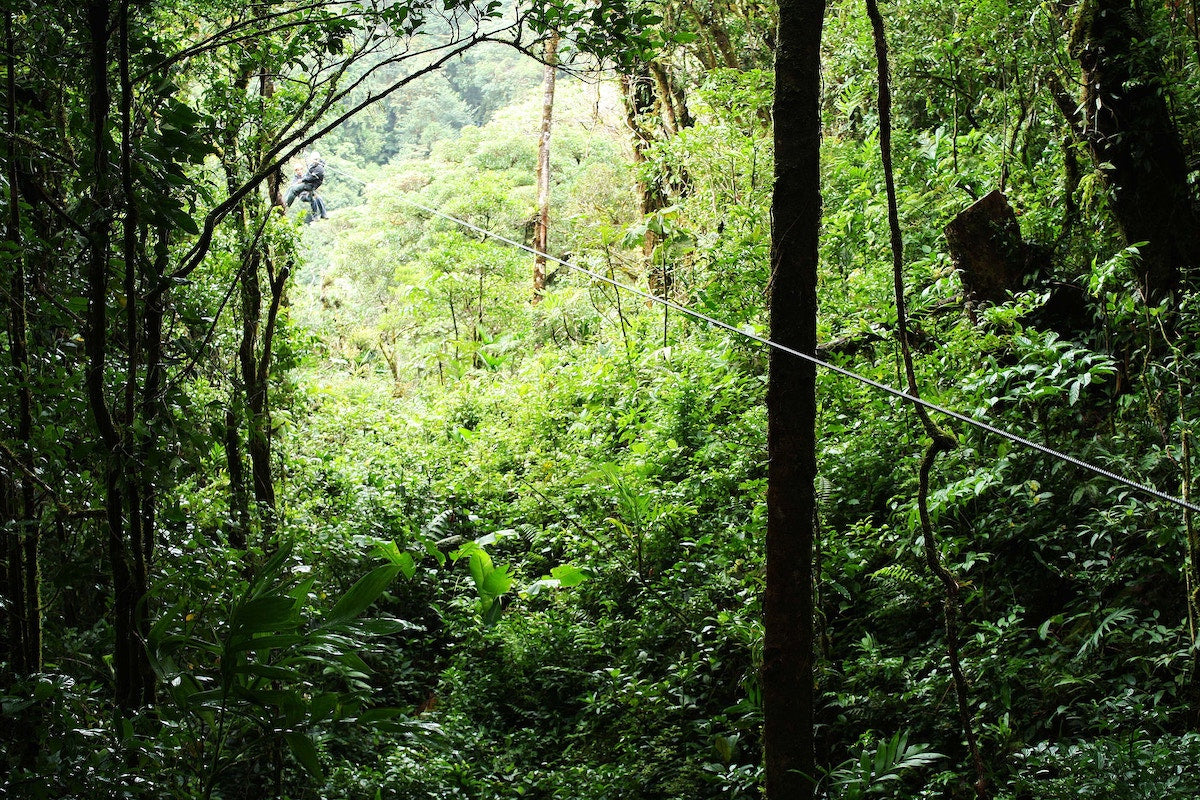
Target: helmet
[314, 157]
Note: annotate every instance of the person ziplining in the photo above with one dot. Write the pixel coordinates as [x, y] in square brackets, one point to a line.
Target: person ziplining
[304, 185]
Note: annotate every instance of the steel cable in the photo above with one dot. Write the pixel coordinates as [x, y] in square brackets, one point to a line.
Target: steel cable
[883, 387]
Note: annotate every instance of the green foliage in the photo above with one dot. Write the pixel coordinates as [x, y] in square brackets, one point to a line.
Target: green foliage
[876, 771]
[553, 515]
[268, 668]
[1131, 766]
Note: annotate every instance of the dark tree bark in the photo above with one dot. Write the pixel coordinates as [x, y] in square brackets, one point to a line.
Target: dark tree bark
[1129, 131]
[253, 358]
[138, 442]
[239, 498]
[127, 514]
[787, 675]
[17, 503]
[251, 403]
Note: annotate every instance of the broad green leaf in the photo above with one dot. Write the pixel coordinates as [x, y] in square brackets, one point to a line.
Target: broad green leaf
[467, 549]
[568, 575]
[384, 626]
[270, 612]
[497, 582]
[431, 547]
[363, 593]
[392, 552]
[265, 642]
[176, 614]
[539, 585]
[323, 706]
[480, 566]
[300, 592]
[305, 752]
[213, 697]
[289, 702]
[387, 550]
[268, 671]
[490, 610]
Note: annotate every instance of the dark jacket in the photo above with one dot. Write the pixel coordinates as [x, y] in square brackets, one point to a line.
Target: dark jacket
[315, 175]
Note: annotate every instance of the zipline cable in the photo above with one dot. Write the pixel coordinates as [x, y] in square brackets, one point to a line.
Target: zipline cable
[883, 387]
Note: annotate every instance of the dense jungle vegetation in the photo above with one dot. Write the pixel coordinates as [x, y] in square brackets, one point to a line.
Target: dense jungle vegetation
[385, 507]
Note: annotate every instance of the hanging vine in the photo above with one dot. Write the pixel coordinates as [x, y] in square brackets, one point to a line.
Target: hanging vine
[941, 440]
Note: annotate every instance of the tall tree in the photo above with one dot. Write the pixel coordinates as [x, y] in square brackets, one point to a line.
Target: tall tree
[541, 226]
[787, 675]
[17, 505]
[1128, 129]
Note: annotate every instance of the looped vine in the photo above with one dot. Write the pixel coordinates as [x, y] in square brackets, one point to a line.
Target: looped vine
[941, 440]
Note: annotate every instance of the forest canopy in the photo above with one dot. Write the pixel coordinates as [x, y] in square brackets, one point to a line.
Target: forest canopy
[385, 413]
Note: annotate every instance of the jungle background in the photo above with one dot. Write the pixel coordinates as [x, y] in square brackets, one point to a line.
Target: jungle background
[355, 509]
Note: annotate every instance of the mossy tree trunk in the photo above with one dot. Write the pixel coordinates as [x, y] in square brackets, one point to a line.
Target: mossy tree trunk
[1128, 129]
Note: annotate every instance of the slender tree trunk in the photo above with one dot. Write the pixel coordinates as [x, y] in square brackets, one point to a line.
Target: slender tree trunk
[96, 347]
[255, 360]
[541, 227]
[391, 355]
[139, 442]
[941, 441]
[21, 511]
[237, 411]
[14, 571]
[717, 38]
[255, 348]
[239, 498]
[787, 672]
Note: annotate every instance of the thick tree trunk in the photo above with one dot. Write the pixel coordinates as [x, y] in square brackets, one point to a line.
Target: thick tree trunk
[1134, 141]
[638, 93]
[672, 98]
[787, 673]
[541, 226]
